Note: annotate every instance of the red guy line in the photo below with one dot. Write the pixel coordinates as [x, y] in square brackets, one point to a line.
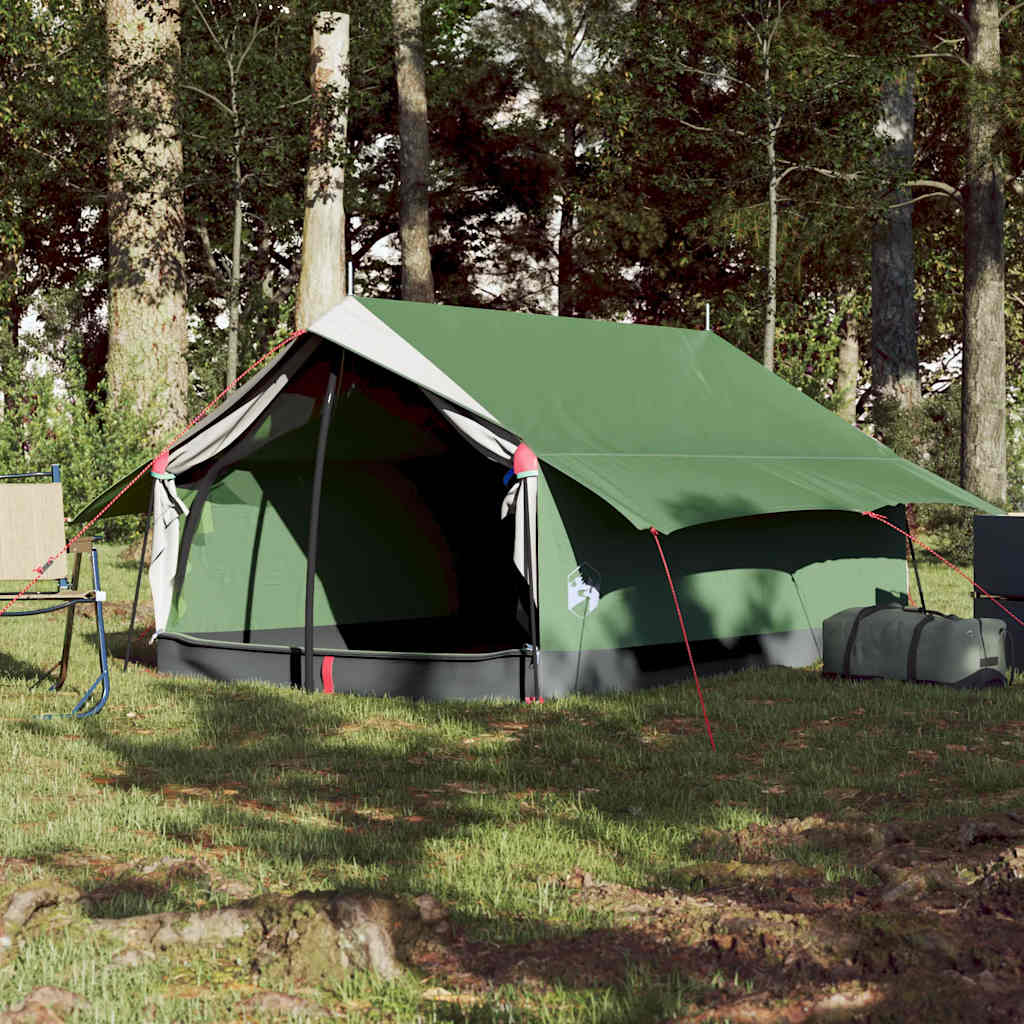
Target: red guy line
[686, 639]
[913, 539]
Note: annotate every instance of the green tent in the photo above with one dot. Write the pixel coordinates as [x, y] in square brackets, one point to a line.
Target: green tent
[367, 513]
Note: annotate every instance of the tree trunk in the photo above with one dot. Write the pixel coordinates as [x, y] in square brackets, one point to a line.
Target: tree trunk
[234, 286]
[894, 365]
[849, 364]
[567, 227]
[983, 437]
[768, 355]
[234, 291]
[148, 330]
[322, 279]
[414, 160]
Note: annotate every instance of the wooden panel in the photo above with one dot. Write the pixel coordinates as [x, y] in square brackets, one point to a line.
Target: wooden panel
[31, 530]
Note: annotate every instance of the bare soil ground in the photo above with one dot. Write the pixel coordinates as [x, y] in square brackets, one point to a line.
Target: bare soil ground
[938, 938]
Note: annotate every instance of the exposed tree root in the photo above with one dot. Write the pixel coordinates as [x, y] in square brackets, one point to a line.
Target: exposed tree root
[309, 937]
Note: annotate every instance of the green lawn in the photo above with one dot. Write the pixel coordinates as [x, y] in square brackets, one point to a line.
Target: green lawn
[186, 794]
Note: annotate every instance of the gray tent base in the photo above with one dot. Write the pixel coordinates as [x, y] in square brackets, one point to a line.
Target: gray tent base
[497, 675]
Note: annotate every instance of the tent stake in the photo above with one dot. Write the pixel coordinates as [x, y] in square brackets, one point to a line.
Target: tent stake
[308, 682]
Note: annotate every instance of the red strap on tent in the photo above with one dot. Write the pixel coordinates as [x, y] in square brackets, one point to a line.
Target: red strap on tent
[686, 639]
[977, 586]
[327, 673]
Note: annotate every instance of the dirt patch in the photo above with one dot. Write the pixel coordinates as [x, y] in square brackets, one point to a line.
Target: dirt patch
[47, 1005]
[933, 936]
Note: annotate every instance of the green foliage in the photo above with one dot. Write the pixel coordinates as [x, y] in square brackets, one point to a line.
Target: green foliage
[53, 140]
[807, 343]
[651, 118]
[930, 436]
[51, 415]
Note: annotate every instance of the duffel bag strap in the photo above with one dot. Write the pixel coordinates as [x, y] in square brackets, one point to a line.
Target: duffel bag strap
[861, 616]
[915, 643]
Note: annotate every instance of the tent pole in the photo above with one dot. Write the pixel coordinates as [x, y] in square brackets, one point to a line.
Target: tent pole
[534, 603]
[917, 576]
[308, 682]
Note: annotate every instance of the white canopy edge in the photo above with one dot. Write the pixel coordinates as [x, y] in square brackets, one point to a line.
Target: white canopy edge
[351, 325]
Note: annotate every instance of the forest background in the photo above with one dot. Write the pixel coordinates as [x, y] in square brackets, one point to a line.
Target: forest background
[841, 184]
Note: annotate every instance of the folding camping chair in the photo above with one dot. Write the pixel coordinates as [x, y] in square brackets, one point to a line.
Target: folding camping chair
[31, 534]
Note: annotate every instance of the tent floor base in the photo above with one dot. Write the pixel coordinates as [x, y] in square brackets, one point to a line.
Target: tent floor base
[496, 675]
[638, 668]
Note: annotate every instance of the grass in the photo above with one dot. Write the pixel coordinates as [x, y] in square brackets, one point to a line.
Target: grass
[943, 589]
[489, 807]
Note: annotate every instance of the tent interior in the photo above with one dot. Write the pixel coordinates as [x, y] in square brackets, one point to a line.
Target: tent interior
[413, 554]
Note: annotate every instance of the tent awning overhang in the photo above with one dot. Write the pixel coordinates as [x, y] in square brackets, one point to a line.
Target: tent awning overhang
[672, 428]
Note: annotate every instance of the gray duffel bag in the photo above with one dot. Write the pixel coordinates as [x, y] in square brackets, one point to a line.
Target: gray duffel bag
[893, 642]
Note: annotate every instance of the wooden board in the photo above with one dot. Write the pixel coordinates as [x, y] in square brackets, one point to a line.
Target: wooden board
[31, 530]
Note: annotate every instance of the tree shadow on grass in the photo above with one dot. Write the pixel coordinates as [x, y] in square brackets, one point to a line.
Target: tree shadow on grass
[321, 781]
[22, 672]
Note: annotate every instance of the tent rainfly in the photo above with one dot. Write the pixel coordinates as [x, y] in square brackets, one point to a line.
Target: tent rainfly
[456, 503]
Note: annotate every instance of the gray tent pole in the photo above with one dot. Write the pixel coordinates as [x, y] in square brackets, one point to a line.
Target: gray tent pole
[308, 682]
[534, 603]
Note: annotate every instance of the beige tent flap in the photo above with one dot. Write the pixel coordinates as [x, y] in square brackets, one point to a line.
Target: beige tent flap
[31, 531]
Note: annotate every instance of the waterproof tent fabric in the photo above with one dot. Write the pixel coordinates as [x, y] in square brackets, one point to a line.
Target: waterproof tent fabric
[758, 489]
[671, 427]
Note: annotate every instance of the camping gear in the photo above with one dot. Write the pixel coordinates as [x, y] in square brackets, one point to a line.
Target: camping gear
[433, 577]
[32, 547]
[999, 568]
[892, 642]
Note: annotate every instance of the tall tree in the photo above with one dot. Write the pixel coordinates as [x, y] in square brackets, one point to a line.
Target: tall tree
[983, 437]
[322, 281]
[554, 50]
[773, 123]
[414, 172]
[894, 365]
[148, 331]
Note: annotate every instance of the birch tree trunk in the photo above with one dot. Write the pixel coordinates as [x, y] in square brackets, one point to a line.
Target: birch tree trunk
[771, 304]
[567, 227]
[894, 366]
[414, 159]
[146, 364]
[322, 279]
[983, 436]
[849, 363]
[765, 36]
